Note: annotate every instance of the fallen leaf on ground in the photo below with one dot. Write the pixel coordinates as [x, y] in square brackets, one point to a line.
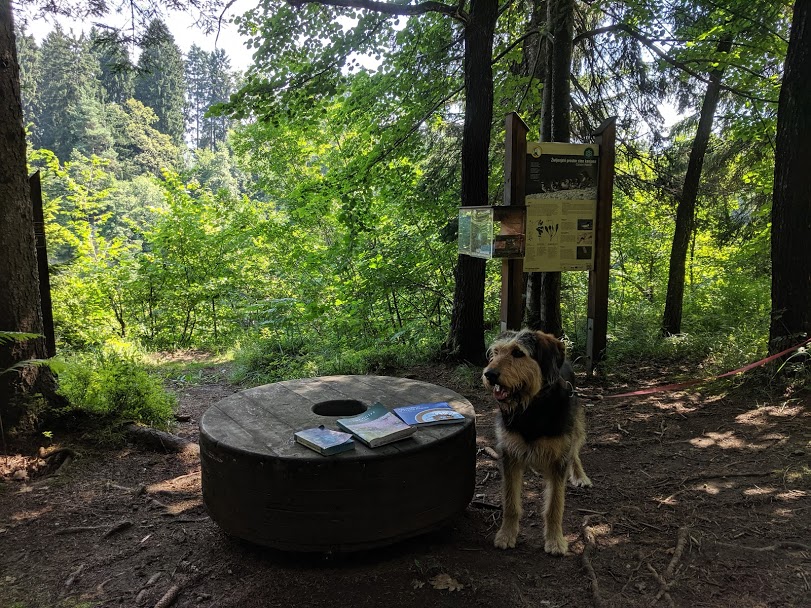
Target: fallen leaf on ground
[446, 581]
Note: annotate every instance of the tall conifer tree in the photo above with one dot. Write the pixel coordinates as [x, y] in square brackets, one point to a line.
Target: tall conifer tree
[221, 85]
[198, 92]
[116, 68]
[28, 54]
[160, 83]
[68, 91]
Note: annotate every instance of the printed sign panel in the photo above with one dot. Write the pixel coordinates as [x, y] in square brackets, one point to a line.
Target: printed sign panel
[561, 199]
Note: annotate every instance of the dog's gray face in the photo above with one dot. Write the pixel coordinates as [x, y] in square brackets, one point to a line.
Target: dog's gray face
[521, 364]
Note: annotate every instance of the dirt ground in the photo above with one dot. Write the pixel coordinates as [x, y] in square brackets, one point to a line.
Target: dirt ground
[698, 500]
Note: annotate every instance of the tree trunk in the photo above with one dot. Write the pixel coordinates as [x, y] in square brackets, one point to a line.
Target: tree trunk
[791, 211]
[534, 62]
[20, 308]
[466, 339]
[543, 295]
[537, 49]
[685, 211]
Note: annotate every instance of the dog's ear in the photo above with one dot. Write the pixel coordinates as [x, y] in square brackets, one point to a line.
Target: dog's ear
[550, 354]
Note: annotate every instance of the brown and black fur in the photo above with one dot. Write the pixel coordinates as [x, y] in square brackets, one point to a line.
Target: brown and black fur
[541, 425]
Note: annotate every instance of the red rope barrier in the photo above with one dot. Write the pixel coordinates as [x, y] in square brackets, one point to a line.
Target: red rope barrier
[740, 370]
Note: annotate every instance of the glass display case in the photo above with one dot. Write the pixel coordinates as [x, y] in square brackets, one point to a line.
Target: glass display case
[492, 232]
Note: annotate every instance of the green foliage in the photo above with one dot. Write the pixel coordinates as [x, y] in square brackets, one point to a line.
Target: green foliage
[318, 235]
[112, 385]
[263, 358]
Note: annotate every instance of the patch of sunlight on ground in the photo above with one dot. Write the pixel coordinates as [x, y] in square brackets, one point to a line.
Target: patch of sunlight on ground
[729, 440]
[760, 416]
[792, 495]
[30, 515]
[758, 491]
[176, 508]
[678, 407]
[189, 482]
[724, 441]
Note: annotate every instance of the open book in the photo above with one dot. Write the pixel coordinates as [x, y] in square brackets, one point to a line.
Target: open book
[376, 426]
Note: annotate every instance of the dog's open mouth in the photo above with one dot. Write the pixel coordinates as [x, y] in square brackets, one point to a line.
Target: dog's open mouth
[500, 393]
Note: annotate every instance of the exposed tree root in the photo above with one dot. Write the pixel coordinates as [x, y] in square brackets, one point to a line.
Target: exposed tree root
[786, 544]
[159, 440]
[588, 546]
[122, 525]
[74, 576]
[666, 579]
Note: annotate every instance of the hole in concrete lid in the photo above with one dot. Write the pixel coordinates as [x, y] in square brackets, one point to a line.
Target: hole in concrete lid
[339, 407]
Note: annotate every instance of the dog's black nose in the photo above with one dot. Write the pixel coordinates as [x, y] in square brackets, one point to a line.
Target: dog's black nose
[491, 375]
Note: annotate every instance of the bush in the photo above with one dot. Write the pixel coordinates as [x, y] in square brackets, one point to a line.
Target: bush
[114, 386]
[263, 359]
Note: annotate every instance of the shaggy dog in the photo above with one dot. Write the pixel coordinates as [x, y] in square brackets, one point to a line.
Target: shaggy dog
[541, 425]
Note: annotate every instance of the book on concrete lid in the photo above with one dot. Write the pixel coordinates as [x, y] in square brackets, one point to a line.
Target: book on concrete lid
[376, 426]
[426, 414]
[325, 441]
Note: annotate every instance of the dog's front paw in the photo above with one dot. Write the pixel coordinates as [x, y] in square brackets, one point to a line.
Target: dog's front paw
[505, 539]
[580, 482]
[556, 546]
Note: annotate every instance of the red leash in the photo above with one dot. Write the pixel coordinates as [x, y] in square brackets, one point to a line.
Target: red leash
[740, 370]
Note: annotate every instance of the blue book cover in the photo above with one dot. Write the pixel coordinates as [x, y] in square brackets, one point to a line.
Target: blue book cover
[425, 414]
[325, 441]
[376, 426]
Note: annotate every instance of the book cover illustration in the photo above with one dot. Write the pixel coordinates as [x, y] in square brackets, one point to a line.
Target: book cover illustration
[376, 426]
[425, 414]
[325, 441]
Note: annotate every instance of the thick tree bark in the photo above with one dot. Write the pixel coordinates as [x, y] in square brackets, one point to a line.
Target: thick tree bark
[541, 47]
[686, 209]
[466, 339]
[20, 308]
[534, 62]
[791, 209]
[543, 288]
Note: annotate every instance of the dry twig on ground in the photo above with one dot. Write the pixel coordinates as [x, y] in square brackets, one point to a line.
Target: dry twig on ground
[588, 546]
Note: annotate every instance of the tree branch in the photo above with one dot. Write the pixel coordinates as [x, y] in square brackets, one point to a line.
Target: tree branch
[650, 44]
[391, 9]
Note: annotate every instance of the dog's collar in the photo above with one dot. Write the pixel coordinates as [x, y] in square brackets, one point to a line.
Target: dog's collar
[572, 391]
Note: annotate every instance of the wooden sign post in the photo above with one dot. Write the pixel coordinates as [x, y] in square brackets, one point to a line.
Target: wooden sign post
[512, 280]
[512, 270]
[42, 265]
[597, 328]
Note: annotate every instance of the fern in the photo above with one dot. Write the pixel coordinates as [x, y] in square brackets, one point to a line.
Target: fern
[6, 337]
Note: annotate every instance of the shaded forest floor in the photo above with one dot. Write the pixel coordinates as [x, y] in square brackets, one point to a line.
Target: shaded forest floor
[698, 500]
